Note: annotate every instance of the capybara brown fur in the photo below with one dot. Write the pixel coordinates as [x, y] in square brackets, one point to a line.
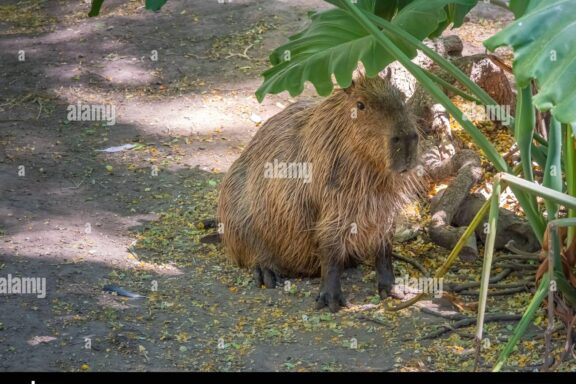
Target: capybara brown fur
[319, 186]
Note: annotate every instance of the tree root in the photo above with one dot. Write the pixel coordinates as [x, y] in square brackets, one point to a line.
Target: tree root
[509, 290]
[466, 286]
[413, 263]
[512, 248]
[517, 266]
[371, 319]
[517, 257]
[467, 321]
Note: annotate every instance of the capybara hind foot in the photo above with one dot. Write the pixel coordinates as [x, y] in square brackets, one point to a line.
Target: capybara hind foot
[333, 300]
[397, 292]
[265, 276]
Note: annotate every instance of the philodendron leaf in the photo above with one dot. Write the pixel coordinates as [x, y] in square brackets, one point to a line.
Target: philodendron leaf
[335, 42]
[520, 7]
[544, 44]
[155, 5]
[456, 15]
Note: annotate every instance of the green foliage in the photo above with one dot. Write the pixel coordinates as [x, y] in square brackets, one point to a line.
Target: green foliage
[544, 46]
[95, 8]
[152, 5]
[518, 7]
[155, 5]
[335, 41]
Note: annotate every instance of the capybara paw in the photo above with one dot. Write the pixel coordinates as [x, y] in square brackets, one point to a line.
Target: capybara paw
[395, 291]
[388, 290]
[332, 300]
[266, 277]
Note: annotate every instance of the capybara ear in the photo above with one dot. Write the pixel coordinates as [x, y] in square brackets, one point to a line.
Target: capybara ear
[388, 74]
[349, 88]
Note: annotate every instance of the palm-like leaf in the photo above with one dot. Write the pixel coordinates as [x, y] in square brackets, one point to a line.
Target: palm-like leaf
[335, 42]
[544, 45]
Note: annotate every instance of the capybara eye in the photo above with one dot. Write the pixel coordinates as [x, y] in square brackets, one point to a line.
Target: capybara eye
[360, 105]
[395, 140]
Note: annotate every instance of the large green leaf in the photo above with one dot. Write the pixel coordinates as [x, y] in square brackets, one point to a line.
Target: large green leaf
[335, 42]
[544, 45]
[456, 15]
[518, 7]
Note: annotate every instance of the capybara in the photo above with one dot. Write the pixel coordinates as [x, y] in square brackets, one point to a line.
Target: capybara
[318, 187]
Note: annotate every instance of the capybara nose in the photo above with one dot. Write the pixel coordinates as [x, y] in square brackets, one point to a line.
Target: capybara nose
[410, 148]
[412, 152]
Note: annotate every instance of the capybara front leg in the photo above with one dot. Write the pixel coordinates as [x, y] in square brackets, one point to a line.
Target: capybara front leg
[330, 289]
[385, 270]
[265, 276]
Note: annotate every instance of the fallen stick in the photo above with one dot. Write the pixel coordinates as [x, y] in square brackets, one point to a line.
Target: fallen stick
[492, 280]
[414, 263]
[502, 292]
[516, 266]
[518, 257]
[467, 321]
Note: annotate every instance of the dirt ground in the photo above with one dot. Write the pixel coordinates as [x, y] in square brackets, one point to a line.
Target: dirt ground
[83, 219]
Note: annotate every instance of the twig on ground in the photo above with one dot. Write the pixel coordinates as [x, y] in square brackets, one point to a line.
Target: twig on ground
[518, 257]
[414, 263]
[502, 292]
[492, 280]
[516, 266]
[243, 55]
[448, 316]
[371, 319]
[467, 321]
[512, 248]
[513, 150]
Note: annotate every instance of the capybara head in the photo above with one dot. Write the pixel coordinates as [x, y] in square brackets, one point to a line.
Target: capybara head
[382, 123]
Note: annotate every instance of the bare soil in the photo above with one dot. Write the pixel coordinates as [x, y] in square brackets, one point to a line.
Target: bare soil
[83, 219]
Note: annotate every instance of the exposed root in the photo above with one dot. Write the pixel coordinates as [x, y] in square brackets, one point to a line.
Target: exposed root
[492, 280]
[413, 263]
[467, 321]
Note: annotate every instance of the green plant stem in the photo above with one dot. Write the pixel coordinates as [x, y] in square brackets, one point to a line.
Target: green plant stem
[523, 133]
[553, 170]
[447, 85]
[487, 265]
[546, 193]
[570, 170]
[524, 129]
